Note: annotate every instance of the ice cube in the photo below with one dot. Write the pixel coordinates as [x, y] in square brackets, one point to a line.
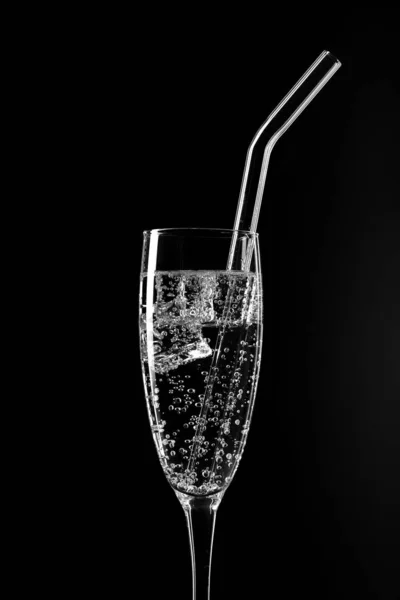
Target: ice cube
[186, 299]
[184, 302]
[177, 356]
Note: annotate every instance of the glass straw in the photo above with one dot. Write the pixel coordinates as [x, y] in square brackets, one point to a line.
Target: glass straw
[279, 121]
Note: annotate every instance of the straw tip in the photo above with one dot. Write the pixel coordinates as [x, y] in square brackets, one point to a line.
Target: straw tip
[327, 53]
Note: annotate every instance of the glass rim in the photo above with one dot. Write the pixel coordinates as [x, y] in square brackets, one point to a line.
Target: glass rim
[213, 229]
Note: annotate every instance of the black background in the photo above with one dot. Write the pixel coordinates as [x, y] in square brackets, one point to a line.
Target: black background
[314, 507]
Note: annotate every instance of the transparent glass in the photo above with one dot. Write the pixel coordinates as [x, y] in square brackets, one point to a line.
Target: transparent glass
[201, 339]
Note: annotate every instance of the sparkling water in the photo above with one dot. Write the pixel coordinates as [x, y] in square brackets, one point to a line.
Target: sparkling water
[200, 346]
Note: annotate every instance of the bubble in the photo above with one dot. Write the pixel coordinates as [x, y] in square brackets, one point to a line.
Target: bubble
[237, 422]
[226, 349]
[156, 390]
[191, 390]
[173, 452]
[229, 456]
[204, 372]
[171, 407]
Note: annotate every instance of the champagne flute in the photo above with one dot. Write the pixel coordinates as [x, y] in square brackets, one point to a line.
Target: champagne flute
[200, 337]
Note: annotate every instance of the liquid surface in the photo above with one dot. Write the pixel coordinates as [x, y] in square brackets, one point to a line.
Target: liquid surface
[201, 337]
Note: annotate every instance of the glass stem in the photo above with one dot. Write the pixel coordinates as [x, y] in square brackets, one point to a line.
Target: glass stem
[200, 517]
